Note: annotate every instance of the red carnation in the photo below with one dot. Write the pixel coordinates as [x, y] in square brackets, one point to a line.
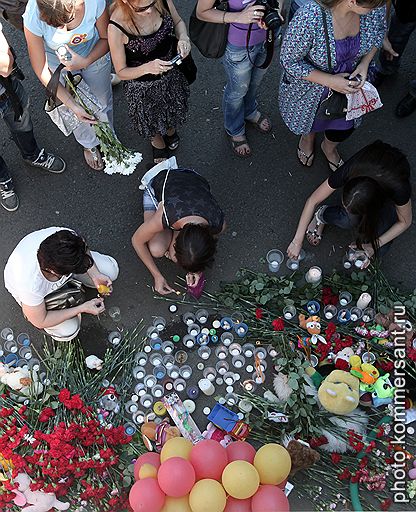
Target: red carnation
[64, 395]
[336, 458]
[278, 324]
[344, 475]
[46, 414]
[385, 505]
[259, 313]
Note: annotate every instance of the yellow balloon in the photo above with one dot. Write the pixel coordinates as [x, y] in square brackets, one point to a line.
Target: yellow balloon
[176, 447]
[240, 479]
[147, 471]
[177, 504]
[273, 463]
[207, 496]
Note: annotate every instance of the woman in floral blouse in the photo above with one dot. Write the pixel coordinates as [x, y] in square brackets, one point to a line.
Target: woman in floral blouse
[356, 29]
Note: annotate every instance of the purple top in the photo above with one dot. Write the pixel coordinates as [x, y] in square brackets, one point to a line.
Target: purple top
[237, 33]
[346, 51]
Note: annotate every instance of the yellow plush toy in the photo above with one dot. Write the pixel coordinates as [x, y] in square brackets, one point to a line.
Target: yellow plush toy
[339, 392]
[367, 373]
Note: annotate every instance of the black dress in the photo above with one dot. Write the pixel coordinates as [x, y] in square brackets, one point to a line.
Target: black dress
[156, 102]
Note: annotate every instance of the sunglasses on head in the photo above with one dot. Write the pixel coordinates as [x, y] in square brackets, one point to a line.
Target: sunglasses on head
[143, 9]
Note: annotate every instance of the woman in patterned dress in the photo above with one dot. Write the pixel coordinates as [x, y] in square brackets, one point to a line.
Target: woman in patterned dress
[142, 42]
[356, 29]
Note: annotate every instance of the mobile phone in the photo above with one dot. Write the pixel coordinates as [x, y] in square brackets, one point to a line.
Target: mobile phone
[176, 60]
[357, 78]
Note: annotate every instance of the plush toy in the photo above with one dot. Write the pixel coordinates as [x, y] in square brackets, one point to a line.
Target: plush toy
[281, 387]
[302, 455]
[313, 326]
[37, 501]
[339, 392]
[94, 363]
[109, 401]
[212, 432]
[342, 358]
[155, 435]
[366, 372]
[21, 380]
[390, 323]
[412, 472]
[383, 392]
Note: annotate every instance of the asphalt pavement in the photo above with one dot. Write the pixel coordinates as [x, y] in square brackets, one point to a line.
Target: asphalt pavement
[262, 196]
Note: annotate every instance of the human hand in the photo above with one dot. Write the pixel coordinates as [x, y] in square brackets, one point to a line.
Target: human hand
[251, 14]
[82, 115]
[74, 62]
[368, 249]
[360, 75]
[6, 63]
[294, 249]
[192, 278]
[184, 47]
[101, 280]
[388, 49]
[157, 67]
[93, 306]
[162, 286]
[341, 83]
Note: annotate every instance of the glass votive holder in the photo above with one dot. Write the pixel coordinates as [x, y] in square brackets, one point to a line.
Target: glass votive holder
[313, 275]
[141, 358]
[289, 312]
[179, 385]
[293, 264]
[238, 361]
[168, 384]
[263, 365]
[23, 339]
[114, 337]
[7, 334]
[204, 352]
[115, 313]
[258, 378]
[11, 346]
[192, 392]
[202, 338]
[11, 359]
[235, 349]
[346, 262]
[214, 339]
[188, 318]
[222, 367]
[22, 363]
[168, 361]
[260, 352]
[189, 341]
[229, 378]
[149, 381]
[160, 323]
[194, 330]
[271, 350]
[313, 307]
[152, 332]
[167, 347]
[330, 311]
[248, 349]
[156, 343]
[158, 391]
[241, 329]
[345, 298]
[368, 315]
[227, 338]
[249, 385]
[33, 364]
[356, 314]
[131, 407]
[221, 352]
[181, 356]
[368, 357]
[314, 361]
[140, 389]
[274, 259]
[344, 316]
[25, 352]
[209, 373]
[202, 316]
[185, 372]
[231, 399]
[237, 317]
[159, 372]
[173, 372]
[226, 323]
[155, 359]
[138, 372]
[130, 429]
[146, 401]
[139, 417]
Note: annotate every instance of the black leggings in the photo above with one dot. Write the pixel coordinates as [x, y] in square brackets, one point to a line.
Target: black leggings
[338, 135]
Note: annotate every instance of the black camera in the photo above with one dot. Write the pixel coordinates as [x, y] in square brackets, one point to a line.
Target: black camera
[271, 13]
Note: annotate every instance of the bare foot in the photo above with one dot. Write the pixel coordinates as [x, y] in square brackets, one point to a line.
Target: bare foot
[240, 146]
[93, 158]
[306, 153]
[332, 156]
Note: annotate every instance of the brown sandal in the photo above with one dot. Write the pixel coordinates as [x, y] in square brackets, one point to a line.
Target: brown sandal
[96, 158]
[257, 124]
[235, 144]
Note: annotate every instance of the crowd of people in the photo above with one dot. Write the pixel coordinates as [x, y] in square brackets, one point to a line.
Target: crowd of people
[331, 50]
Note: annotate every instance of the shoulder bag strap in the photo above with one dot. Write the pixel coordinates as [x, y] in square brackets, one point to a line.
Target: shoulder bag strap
[328, 48]
[52, 87]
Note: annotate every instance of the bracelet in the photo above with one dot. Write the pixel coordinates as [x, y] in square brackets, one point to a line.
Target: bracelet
[223, 17]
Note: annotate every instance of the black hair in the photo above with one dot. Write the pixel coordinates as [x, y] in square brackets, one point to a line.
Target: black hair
[195, 247]
[64, 253]
[370, 4]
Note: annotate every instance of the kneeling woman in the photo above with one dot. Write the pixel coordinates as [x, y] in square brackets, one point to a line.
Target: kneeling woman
[181, 222]
[376, 200]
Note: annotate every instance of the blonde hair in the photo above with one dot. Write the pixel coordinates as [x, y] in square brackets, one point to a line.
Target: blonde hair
[128, 12]
[56, 12]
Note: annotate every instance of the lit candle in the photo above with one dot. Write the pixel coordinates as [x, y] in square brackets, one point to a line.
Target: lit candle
[274, 264]
[313, 275]
[186, 374]
[173, 308]
[347, 264]
[229, 380]
[206, 386]
[288, 316]
[248, 386]
[189, 343]
[238, 364]
[9, 337]
[216, 324]
[329, 315]
[359, 263]
[203, 319]
[193, 332]
[354, 317]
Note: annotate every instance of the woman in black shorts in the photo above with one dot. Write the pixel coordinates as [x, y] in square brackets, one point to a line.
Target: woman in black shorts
[181, 221]
[376, 201]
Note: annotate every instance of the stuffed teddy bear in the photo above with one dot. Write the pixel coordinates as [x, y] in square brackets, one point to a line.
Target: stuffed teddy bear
[390, 323]
[155, 435]
[22, 381]
[313, 326]
[212, 432]
[94, 363]
[302, 455]
[37, 501]
[339, 392]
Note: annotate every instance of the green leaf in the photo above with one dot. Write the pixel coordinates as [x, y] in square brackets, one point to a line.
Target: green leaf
[293, 384]
[54, 405]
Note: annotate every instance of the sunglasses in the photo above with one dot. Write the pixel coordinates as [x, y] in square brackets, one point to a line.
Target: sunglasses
[144, 9]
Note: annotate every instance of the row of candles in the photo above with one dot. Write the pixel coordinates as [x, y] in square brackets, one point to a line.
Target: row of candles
[17, 352]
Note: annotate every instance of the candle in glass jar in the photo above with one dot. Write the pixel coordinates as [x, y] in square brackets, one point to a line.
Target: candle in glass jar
[363, 300]
[206, 386]
[313, 275]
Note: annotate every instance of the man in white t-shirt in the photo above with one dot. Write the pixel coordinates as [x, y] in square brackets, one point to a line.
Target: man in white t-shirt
[43, 262]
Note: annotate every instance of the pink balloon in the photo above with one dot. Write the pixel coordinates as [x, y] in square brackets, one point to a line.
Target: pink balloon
[241, 450]
[269, 498]
[147, 458]
[234, 505]
[209, 459]
[176, 477]
[146, 496]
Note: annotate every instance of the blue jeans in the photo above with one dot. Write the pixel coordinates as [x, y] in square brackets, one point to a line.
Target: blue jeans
[21, 131]
[243, 79]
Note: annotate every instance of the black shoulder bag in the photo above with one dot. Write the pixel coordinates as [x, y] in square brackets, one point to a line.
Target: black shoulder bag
[209, 38]
[334, 106]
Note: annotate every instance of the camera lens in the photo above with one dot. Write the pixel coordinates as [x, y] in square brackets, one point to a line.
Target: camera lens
[272, 20]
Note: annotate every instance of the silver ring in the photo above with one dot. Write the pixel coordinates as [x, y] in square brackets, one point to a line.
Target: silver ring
[256, 13]
[349, 83]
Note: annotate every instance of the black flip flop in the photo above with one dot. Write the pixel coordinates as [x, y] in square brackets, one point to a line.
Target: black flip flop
[236, 144]
[307, 157]
[172, 141]
[159, 154]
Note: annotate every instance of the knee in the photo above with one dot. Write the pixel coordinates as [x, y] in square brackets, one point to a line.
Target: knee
[157, 250]
[236, 91]
[67, 330]
[113, 269]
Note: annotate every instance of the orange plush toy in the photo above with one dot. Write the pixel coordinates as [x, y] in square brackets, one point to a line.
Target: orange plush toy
[313, 326]
[155, 435]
